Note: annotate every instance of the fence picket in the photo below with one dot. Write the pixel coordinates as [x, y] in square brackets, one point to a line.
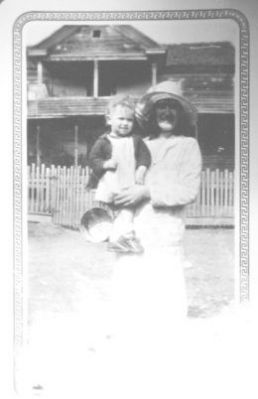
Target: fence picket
[47, 193]
[62, 191]
[75, 190]
[74, 209]
[53, 185]
[217, 192]
[38, 189]
[203, 196]
[71, 195]
[42, 187]
[58, 194]
[77, 197]
[212, 192]
[84, 191]
[226, 188]
[222, 185]
[208, 191]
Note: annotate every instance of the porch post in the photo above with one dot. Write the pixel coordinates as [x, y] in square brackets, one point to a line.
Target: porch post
[96, 79]
[38, 160]
[154, 73]
[76, 142]
[39, 72]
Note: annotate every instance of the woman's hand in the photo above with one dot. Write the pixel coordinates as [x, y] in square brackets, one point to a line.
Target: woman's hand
[132, 195]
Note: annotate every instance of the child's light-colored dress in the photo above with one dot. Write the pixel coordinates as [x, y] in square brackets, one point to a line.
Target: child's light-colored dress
[124, 175]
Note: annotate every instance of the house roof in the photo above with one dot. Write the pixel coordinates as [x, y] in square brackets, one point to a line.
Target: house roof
[87, 42]
[205, 54]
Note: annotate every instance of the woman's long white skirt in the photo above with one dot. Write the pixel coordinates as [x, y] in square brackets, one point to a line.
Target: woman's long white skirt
[149, 303]
[149, 310]
[149, 295]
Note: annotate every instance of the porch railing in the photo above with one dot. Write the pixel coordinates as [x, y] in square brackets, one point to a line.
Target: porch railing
[62, 193]
[50, 107]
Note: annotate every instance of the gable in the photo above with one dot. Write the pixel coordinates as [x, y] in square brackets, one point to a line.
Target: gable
[97, 41]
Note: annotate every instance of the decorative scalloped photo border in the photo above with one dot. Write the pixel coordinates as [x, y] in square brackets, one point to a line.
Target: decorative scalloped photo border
[187, 15]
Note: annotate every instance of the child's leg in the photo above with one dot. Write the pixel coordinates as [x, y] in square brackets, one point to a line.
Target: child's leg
[123, 224]
[107, 187]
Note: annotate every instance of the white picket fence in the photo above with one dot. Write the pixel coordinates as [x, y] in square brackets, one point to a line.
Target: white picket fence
[61, 192]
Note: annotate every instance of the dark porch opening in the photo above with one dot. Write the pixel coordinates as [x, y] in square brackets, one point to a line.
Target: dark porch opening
[57, 143]
[216, 135]
[68, 79]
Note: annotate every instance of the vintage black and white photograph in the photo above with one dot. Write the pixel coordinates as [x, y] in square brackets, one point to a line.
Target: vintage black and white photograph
[131, 179]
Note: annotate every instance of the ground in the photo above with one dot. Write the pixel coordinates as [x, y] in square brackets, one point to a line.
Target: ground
[66, 353]
[62, 265]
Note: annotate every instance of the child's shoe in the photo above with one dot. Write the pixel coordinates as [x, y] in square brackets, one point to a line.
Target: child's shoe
[126, 245]
[135, 245]
[120, 246]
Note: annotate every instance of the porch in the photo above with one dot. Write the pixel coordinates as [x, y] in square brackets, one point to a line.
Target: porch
[56, 107]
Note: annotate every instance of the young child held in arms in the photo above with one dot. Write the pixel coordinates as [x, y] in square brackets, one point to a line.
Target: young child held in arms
[120, 159]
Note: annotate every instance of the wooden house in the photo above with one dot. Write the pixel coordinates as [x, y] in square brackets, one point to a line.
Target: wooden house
[73, 73]
[71, 76]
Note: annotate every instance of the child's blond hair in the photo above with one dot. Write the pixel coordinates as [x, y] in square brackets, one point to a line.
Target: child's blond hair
[122, 101]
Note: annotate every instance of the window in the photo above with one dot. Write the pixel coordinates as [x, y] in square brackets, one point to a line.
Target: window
[96, 33]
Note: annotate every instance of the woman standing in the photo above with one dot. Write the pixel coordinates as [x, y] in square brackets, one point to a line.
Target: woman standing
[150, 289]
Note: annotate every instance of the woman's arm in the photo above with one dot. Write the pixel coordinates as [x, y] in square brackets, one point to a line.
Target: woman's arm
[132, 195]
[167, 193]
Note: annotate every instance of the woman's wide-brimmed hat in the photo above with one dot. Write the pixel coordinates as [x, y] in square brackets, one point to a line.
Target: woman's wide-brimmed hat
[162, 91]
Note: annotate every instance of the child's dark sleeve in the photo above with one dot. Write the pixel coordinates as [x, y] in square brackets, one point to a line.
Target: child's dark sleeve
[99, 153]
[142, 153]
